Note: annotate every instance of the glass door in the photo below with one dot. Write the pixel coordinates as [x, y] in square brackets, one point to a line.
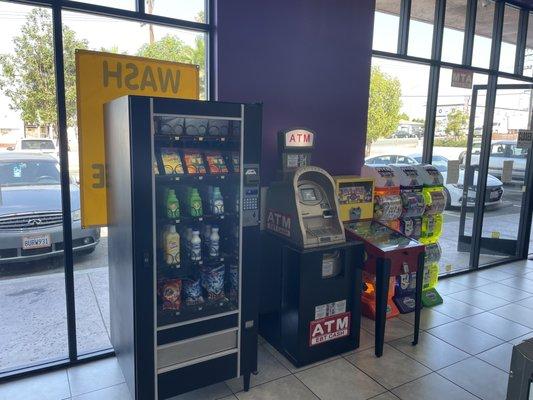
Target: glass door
[505, 216]
[504, 164]
[197, 173]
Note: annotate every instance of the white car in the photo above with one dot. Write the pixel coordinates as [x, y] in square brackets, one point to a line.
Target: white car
[453, 191]
[501, 150]
[46, 146]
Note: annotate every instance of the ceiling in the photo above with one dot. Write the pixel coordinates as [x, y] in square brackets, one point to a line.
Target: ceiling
[423, 10]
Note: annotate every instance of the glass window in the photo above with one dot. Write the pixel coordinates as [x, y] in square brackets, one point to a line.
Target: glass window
[509, 34]
[483, 34]
[421, 28]
[190, 10]
[386, 25]
[397, 109]
[33, 327]
[90, 245]
[454, 25]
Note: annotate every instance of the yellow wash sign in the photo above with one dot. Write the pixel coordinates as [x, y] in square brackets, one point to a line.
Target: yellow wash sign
[101, 77]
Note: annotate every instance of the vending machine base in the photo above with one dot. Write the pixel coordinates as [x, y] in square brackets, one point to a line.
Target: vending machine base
[310, 306]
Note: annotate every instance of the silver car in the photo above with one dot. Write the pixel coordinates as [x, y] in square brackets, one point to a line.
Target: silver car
[30, 210]
[500, 151]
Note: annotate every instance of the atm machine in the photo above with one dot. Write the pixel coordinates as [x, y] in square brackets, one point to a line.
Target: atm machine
[311, 276]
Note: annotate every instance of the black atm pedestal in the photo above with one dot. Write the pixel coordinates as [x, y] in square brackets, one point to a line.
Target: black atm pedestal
[310, 306]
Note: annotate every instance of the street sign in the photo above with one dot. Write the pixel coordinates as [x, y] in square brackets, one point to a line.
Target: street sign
[525, 137]
[462, 78]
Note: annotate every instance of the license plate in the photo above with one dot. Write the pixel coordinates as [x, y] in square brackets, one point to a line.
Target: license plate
[494, 195]
[36, 242]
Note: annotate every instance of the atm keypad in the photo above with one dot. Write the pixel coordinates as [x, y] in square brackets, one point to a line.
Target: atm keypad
[250, 203]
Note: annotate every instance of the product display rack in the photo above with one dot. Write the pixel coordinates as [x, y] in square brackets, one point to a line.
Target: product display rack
[182, 263]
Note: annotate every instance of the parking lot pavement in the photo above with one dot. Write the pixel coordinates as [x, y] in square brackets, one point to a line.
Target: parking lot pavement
[499, 221]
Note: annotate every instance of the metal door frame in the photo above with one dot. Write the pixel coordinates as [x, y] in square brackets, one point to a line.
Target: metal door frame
[524, 227]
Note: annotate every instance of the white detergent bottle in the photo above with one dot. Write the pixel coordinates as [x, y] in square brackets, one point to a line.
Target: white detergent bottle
[214, 242]
[196, 246]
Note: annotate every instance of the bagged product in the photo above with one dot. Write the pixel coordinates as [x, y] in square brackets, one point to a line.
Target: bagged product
[170, 293]
[192, 292]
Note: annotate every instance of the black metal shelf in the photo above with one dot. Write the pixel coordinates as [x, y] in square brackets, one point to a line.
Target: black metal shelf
[204, 218]
[190, 139]
[197, 178]
[190, 312]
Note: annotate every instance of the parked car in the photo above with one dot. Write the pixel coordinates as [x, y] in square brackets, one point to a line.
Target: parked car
[453, 191]
[500, 151]
[46, 146]
[30, 210]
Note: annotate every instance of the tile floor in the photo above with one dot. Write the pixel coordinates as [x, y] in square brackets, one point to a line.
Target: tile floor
[464, 353]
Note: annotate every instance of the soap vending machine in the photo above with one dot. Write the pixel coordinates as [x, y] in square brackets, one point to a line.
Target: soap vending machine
[413, 207]
[183, 203]
[387, 210]
[435, 199]
[310, 274]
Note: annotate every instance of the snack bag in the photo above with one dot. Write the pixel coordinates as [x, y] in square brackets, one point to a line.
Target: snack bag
[235, 162]
[192, 292]
[170, 293]
[213, 282]
[216, 163]
[194, 162]
[171, 161]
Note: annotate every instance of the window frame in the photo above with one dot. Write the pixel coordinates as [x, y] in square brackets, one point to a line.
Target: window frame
[138, 15]
[493, 74]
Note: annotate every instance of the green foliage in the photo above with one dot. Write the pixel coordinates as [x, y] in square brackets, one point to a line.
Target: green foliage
[172, 48]
[457, 120]
[384, 106]
[450, 142]
[421, 120]
[404, 117]
[28, 78]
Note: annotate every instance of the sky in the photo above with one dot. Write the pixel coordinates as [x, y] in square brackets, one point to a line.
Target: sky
[512, 106]
[101, 32]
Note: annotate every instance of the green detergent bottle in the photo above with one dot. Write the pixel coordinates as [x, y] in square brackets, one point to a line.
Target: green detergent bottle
[173, 205]
[195, 203]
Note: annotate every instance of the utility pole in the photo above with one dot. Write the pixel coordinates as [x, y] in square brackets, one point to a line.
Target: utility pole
[150, 9]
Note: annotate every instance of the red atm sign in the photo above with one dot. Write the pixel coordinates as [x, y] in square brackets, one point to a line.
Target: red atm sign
[299, 138]
[329, 328]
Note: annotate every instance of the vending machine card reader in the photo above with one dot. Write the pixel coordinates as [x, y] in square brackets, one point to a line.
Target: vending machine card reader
[304, 209]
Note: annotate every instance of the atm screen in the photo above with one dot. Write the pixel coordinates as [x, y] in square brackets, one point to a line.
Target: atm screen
[308, 194]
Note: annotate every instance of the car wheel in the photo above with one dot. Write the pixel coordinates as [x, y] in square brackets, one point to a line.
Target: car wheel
[448, 199]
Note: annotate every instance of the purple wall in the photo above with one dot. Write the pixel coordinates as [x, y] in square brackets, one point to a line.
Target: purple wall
[308, 62]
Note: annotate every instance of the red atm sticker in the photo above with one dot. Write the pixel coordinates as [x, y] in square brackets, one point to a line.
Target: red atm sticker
[329, 328]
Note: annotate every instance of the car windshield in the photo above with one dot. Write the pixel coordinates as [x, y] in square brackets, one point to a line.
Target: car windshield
[30, 172]
[37, 145]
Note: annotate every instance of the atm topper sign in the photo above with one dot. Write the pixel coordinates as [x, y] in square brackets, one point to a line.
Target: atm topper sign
[102, 77]
[298, 138]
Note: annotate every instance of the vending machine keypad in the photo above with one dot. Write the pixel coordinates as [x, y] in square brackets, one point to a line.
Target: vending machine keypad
[250, 195]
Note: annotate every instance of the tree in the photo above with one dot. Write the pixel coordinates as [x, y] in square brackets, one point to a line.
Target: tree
[404, 117]
[457, 120]
[28, 75]
[172, 48]
[384, 106]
